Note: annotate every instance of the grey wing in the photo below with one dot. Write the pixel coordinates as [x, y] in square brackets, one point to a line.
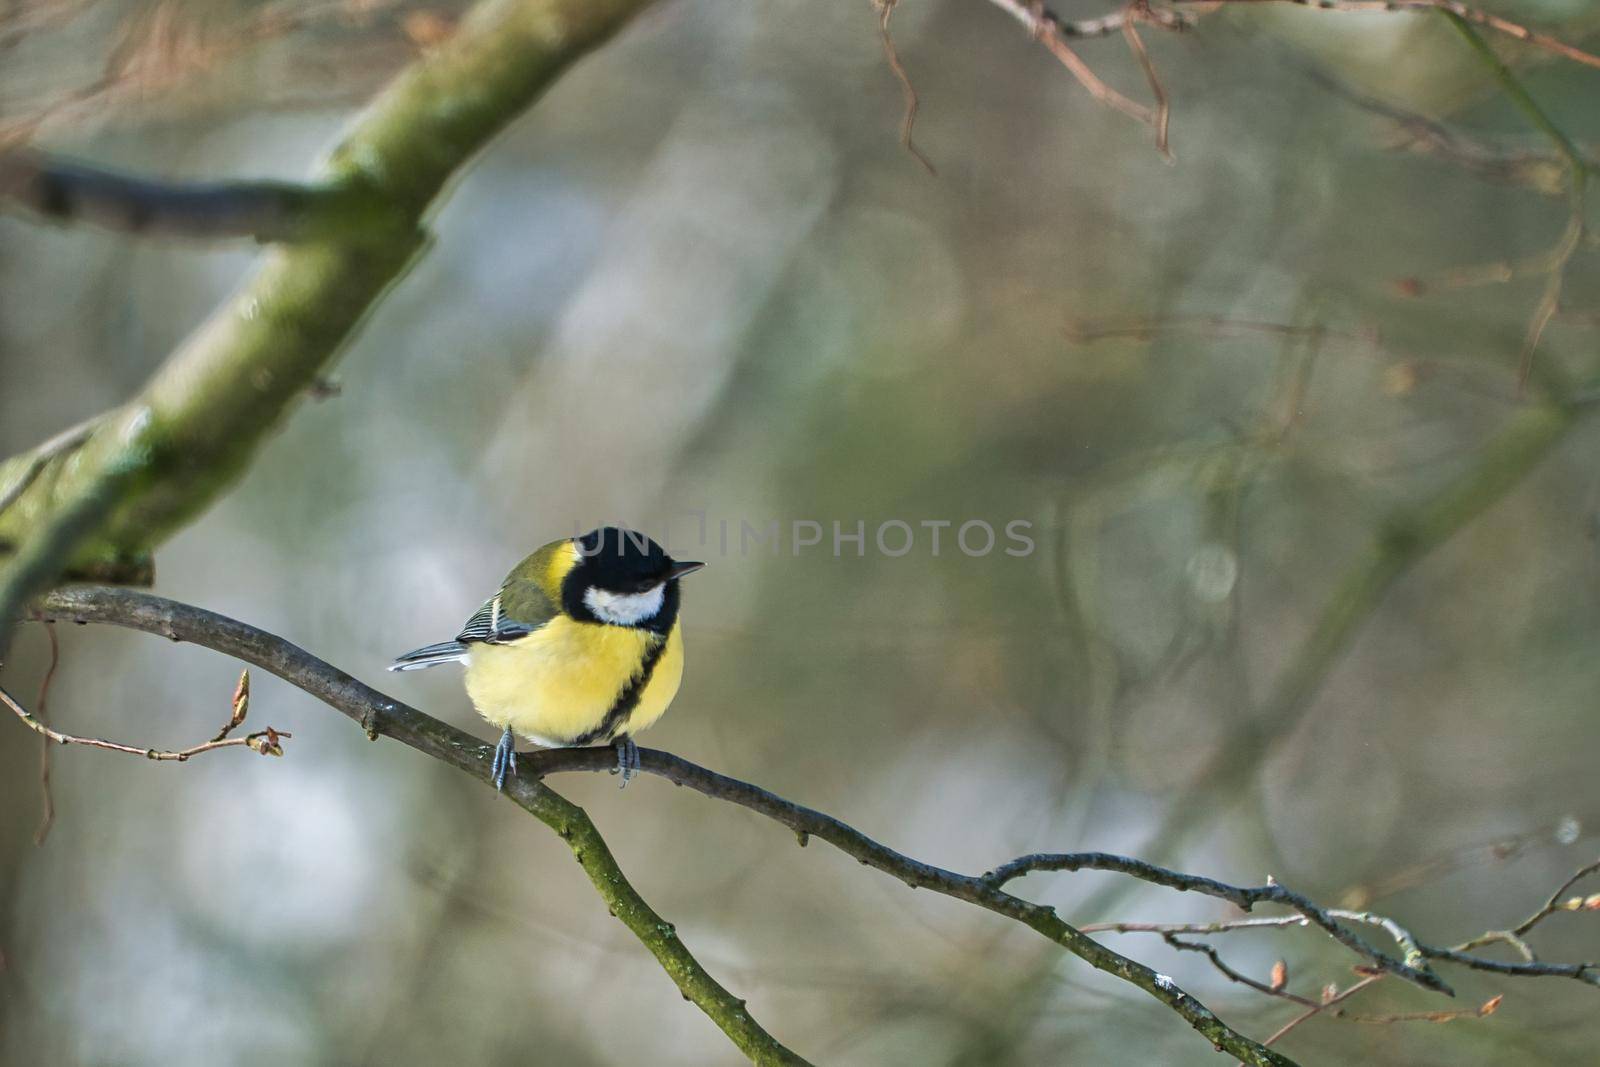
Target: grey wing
[489, 623]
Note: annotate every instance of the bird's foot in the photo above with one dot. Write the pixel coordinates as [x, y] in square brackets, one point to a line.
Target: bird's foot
[627, 759]
[505, 759]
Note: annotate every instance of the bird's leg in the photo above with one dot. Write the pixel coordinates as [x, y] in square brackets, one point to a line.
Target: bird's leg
[505, 759]
[627, 758]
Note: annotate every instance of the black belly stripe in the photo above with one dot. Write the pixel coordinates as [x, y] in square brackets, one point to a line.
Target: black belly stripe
[626, 700]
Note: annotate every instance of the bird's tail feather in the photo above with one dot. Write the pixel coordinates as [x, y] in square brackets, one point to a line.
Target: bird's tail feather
[431, 656]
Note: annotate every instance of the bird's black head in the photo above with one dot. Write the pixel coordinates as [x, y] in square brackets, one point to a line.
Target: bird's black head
[624, 578]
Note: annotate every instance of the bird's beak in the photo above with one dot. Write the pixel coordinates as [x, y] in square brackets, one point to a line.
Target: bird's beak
[682, 567]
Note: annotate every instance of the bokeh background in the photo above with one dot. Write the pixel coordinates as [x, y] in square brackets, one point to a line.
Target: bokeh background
[702, 278]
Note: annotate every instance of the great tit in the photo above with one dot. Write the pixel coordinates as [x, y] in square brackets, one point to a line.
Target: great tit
[580, 646]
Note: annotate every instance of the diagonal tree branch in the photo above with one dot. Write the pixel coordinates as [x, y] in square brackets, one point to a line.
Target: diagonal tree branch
[382, 715]
[145, 470]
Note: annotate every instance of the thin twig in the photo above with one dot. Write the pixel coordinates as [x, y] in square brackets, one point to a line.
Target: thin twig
[1488, 1007]
[1542, 173]
[1578, 165]
[1555, 902]
[1049, 30]
[1222, 926]
[1564, 832]
[47, 806]
[1416, 953]
[1558, 902]
[1451, 7]
[1233, 975]
[1413, 968]
[265, 742]
[1136, 12]
[1327, 1003]
[1091, 330]
[892, 56]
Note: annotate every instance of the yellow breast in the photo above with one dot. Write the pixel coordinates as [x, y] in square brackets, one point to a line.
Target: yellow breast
[560, 682]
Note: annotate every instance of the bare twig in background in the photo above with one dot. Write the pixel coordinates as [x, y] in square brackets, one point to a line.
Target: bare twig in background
[1497, 272]
[1269, 988]
[1543, 173]
[885, 9]
[1559, 901]
[1170, 933]
[1565, 831]
[1414, 967]
[1514, 936]
[1088, 331]
[1332, 997]
[1580, 173]
[1552, 264]
[1277, 984]
[1482, 1011]
[41, 705]
[264, 742]
[1051, 31]
[1139, 11]
[1449, 7]
[1295, 369]
[161, 47]
[1221, 926]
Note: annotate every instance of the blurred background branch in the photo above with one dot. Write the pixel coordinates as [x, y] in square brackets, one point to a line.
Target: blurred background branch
[69, 192]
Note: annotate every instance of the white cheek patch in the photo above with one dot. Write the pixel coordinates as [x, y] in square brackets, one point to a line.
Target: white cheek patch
[624, 609]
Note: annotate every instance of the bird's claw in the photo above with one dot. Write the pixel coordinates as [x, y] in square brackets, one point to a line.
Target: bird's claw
[505, 759]
[627, 759]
